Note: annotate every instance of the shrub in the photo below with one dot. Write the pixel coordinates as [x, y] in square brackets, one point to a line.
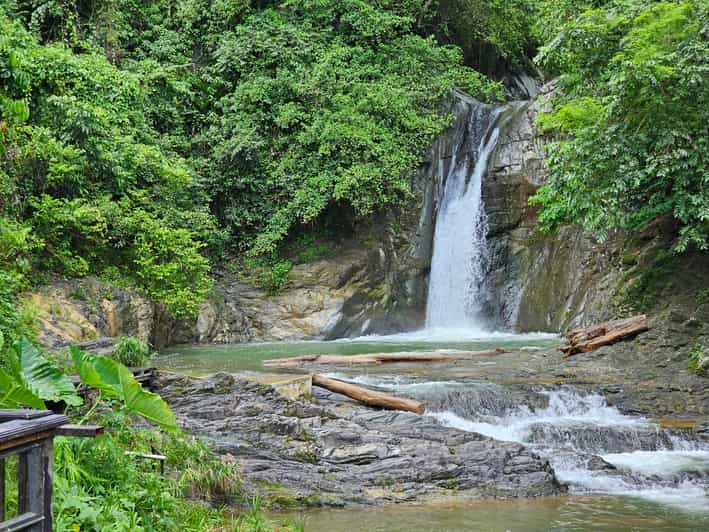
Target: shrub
[633, 114]
[99, 487]
[213, 480]
[698, 360]
[269, 273]
[131, 351]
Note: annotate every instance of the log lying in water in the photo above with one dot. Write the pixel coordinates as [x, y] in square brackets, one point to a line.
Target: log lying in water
[377, 358]
[607, 333]
[368, 397]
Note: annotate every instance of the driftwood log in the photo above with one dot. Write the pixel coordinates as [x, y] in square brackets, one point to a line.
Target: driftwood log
[376, 358]
[368, 397]
[607, 333]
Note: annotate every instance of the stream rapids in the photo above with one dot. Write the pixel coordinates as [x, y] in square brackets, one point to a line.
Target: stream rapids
[592, 446]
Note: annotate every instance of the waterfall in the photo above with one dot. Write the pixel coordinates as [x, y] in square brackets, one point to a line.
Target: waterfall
[457, 294]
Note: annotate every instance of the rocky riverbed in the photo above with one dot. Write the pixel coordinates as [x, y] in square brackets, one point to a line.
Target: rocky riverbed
[332, 453]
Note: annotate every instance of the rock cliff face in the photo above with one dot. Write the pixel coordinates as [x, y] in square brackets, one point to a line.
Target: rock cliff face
[308, 308]
[80, 311]
[541, 282]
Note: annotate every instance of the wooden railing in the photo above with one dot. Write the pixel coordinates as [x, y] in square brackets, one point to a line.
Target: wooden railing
[29, 435]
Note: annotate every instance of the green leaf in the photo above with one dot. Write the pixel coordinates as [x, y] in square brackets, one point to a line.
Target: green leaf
[40, 377]
[14, 394]
[149, 405]
[117, 382]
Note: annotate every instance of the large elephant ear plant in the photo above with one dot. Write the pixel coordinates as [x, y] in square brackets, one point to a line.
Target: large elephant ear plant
[115, 381]
[28, 379]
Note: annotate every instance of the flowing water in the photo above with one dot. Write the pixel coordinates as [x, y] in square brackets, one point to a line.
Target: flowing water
[457, 293]
[623, 472]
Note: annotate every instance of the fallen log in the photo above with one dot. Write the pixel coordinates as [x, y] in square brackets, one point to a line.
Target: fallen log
[377, 358]
[607, 333]
[368, 397]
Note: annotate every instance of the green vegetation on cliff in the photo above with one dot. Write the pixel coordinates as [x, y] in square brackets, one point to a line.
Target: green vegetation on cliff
[633, 117]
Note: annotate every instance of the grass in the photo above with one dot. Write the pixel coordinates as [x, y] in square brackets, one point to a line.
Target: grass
[131, 351]
[99, 487]
[216, 481]
[695, 357]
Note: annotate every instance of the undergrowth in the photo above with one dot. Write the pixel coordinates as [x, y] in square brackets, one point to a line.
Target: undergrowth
[131, 351]
[695, 359]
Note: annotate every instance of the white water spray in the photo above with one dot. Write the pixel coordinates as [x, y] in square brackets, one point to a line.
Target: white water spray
[656, 465]
[457, 292]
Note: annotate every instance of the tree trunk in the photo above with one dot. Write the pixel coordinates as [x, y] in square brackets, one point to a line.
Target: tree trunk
[376, 358]
[607, 333]
[368, 397]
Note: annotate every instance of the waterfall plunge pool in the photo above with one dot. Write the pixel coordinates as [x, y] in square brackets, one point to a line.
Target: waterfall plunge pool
[200, 360]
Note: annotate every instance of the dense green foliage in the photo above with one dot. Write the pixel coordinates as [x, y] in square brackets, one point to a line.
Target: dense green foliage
[85, 186]
[633, 118]
[329, 105]
[490, 32]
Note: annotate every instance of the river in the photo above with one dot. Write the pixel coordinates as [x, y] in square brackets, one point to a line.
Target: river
[624, 472]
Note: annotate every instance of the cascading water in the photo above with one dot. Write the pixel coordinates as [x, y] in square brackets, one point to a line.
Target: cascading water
[592, 446]
[458, 297]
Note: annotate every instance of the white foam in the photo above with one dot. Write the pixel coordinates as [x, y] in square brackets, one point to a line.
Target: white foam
[566, 408]
[453, 335]
[662, 463]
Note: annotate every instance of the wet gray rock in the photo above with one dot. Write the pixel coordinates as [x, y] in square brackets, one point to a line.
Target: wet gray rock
[334, 454]
[607, 439]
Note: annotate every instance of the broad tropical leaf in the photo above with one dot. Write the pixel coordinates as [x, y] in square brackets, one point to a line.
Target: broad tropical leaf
[14, 393]
[40, 376]
[116, 381]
